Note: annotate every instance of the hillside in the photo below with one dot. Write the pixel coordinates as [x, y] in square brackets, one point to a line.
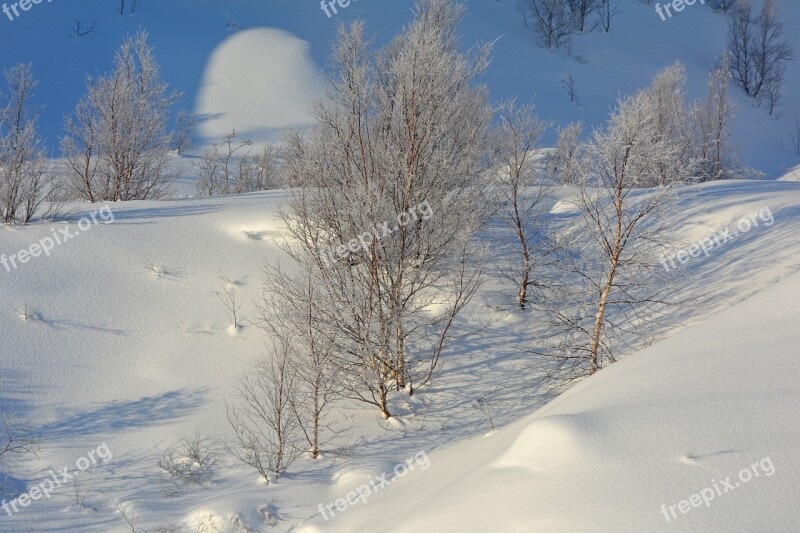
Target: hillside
[118, 338]
[268, 72]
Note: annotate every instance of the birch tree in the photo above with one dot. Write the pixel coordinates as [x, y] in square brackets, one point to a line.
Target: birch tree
[612, 282]
[712, 121]
[26, 179]
[289, 315]
[116, 142]
[391, 178]
[522, 197]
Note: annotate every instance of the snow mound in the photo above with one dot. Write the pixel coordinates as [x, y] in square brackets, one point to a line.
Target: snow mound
[258, 82]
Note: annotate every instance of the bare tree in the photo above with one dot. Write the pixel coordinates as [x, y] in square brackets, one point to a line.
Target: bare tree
[607, 10]
[550, 20]
[580, 12]
[795, 135]
[26, 179]
[265, 426]
[564, 160]
[771, 54]
[611, 284]
[185, 123]
[721, 5]
[289, 312]
[712, 121]
[399, 145]
[572, 90]
[758, 51]
[117, 143]
[134, 5]
[741, 44]
[519, 133]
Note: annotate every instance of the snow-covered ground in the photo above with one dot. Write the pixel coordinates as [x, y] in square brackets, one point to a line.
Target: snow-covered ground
[126, 344]
[117, 341]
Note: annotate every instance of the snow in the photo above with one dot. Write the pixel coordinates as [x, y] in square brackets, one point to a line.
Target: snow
[195, 46]
[136, 356]
[118, 336]
[260, 95]
[651, 430]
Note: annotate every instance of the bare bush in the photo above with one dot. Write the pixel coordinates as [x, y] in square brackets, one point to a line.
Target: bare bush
[267, 433]
[189, 462]
[227, 296]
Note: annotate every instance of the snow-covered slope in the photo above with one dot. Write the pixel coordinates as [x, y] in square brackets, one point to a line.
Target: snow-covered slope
[118, 336]
[711, 411]
[270, 75]
[127, 344]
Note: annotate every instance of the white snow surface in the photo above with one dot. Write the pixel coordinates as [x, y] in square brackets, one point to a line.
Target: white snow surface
[126, 344]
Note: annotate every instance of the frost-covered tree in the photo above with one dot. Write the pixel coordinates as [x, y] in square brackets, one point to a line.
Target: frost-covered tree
[671, 123]
[612, 281]
[522, 196]
[185, 123]
[266, 429]
[564, 161]
[387, 193]
[712, 121]
[116, 143]
[26, 179]
[289, 315]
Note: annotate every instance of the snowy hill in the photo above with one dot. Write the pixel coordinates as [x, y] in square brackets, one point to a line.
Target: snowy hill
[126, 344]
[270, 79]
[711, 412]
[117, 341]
